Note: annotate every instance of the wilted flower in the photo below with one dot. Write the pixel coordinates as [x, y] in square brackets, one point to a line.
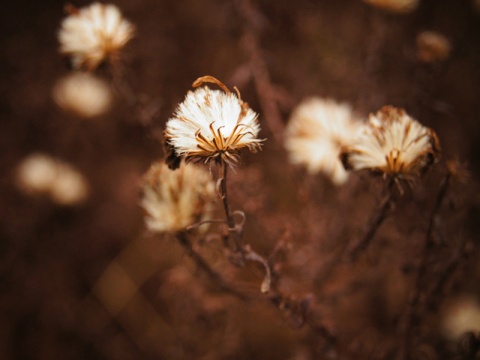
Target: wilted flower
[83, 94]
[395, 6]
[42, 174]
[432, 46]
[392, 143]
[94, 34]
[174, 200]
[317, 130]
[212, 125]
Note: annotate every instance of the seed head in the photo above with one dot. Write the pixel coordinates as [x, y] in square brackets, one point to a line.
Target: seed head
[174, 200]
[212, 125]
[317, 130]
[392, 143]
[94, 34]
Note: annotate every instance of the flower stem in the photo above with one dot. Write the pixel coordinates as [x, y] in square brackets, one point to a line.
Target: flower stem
[411, 311]
[205, 267]
[233, 231]
[375, 223]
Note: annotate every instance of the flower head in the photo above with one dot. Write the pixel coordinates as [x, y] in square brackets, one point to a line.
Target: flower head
[392, 143]
[212, 125]
[317, 130]
[175, 199]
[94, 34]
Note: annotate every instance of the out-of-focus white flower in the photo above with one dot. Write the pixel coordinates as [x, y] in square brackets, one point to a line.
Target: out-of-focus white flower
[392, 143]
[175, 199]
[317, 130]
[432, 47]
[212, 125]
[83, 94]
[395, 6]
[460, 315]
[42, 174]
[93, 34]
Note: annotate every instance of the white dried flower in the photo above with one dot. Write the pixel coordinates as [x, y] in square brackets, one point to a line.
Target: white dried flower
[42, 174]
[212, 125]
[176, 199]
[392, 143]
[432, 47]
[83, 94]
[395, 6]
[93, 34]
[316, 132]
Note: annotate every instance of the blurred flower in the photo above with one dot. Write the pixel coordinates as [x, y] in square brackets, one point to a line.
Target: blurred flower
[395, 6]
[42, 174]
[460, 315]
[174, 200]
[83, 94]
[317, 130]
[94, 34]
[432, 47]
[212, 125]
[392, 143]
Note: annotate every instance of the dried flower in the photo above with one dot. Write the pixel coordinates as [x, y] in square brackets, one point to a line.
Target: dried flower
[392, 143]
[42, 174]
[83, 94]
[212, 125]
[432, 47]
[395, 6]
[174, 200]
[94, 34]
[316, 132]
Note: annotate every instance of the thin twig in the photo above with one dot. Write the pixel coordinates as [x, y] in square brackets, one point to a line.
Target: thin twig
[259, 70]
[411, 310]
[376, 222]
[205, 267]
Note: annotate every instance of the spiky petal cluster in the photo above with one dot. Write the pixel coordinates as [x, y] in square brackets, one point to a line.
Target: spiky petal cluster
[212, 125]
[392, 143]
[174, 200]
[94, 34]
[317, 130]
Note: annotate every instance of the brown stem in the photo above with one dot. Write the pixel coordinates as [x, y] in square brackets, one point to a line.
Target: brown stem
[233, 232]
[411, 310]
[259, 70]
[205, 267]
[376, 222]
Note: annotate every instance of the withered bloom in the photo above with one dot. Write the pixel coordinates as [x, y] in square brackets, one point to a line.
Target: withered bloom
[317, 130]
[392, 143]
[212, 125]
[93, 34]
[174, 200]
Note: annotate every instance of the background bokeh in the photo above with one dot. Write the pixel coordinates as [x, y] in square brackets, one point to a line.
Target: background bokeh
[88, 282]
